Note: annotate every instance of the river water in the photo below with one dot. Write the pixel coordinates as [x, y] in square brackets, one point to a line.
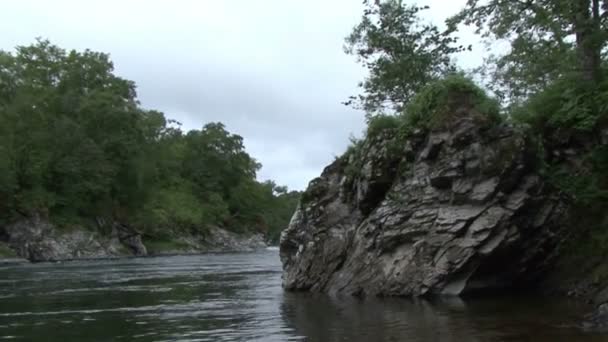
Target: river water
[238, 297]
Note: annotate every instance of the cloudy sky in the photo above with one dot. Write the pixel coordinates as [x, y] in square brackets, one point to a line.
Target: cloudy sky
[273, 71]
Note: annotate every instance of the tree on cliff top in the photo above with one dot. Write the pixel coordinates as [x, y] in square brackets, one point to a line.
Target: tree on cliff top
[402, 54]
[551, 75]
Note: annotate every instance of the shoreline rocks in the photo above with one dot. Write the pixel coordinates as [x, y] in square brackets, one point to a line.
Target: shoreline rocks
[35, 239]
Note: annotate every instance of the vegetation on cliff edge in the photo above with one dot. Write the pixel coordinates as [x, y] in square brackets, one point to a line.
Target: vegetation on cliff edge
[550, 82]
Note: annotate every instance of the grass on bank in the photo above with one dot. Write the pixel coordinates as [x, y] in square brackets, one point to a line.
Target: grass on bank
[6, 252]
[165, 246]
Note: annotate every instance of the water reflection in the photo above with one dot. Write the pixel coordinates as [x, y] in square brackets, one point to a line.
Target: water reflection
[324, 318]
[238, 297]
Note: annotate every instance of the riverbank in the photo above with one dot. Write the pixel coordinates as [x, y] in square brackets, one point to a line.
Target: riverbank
[36, 239]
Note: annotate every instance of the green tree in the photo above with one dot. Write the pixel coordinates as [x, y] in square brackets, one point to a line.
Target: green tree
[76, 145]
[401, 53]
[548, 39]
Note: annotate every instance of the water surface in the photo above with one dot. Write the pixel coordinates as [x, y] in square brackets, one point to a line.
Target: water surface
[238, 297]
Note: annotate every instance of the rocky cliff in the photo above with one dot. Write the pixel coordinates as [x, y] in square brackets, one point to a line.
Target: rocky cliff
[451, 210]
[36, 239]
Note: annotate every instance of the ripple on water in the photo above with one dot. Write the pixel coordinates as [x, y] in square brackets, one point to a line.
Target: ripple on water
[238, 297]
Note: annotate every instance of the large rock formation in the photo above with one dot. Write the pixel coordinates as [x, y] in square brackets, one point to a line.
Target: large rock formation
[452, 210]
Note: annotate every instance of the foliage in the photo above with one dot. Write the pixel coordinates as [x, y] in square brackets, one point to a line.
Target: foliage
[587, 184]
[435, 105]
[553, 80]
[564, 104]
[550, 81]
[401, 53]
[379, 123]
[172, 209]
[157, 246]
[451, 96]
[280, 208]
[548, 39]
[6, 252]
[76, 144]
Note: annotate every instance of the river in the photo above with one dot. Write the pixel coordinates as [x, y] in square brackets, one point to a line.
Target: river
[238, 297]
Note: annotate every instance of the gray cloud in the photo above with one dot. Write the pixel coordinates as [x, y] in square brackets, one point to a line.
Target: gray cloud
[272, 70]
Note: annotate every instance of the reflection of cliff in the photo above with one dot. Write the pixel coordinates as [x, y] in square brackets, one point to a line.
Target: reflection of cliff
[329, 319]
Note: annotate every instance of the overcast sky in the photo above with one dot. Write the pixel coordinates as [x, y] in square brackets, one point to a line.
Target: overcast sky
[273, 71]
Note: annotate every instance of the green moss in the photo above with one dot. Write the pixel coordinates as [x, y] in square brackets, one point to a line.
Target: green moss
[587, 184]
[437, 103]
[583, 253]
[6, 251]
[566, 104]
[381, 123]
[354, 163]
[453, 96]
[163, 246]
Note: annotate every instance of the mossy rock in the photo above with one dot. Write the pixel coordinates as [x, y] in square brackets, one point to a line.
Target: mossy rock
[441, 102]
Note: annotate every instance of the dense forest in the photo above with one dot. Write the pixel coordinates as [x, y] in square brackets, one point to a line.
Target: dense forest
[544, 73]
[76, 145]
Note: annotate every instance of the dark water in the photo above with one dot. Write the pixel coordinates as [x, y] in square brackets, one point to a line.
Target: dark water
[238, 297]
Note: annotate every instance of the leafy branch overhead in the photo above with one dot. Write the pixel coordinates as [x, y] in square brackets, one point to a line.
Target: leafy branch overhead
[401, 52]
[548, 40]
[553, 50]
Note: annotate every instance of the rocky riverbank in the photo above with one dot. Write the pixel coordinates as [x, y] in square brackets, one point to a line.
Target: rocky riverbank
[36, 239]
[460, 208]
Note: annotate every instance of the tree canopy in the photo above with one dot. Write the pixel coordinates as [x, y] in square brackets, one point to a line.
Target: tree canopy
[401, 53]
[554, 52]
[77, 145]
[548, 40]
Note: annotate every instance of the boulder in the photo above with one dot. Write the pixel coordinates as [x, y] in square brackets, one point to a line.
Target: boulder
[455, 210]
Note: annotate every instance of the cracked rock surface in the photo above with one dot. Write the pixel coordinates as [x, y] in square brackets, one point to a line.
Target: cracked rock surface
[450, 211]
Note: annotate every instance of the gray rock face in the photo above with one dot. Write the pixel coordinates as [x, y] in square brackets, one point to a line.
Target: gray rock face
[216, 240]
[597, 321]
[450, 211]
[221, 240]
[36, 239]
